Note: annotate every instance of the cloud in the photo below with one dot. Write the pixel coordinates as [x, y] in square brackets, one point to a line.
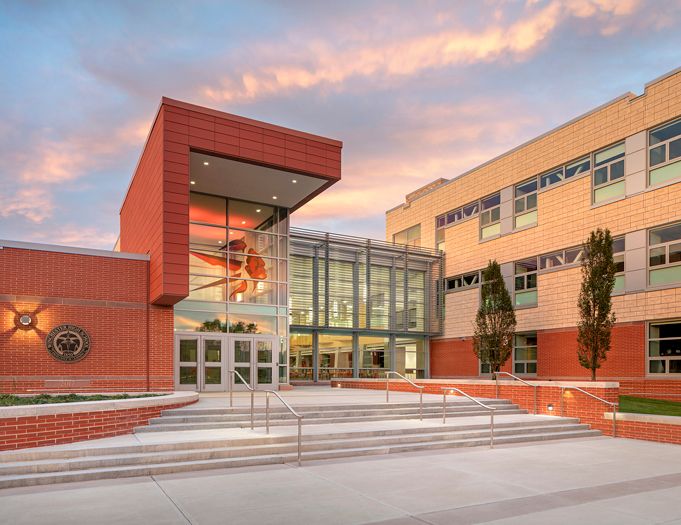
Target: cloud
[76, 235]
[34, 204]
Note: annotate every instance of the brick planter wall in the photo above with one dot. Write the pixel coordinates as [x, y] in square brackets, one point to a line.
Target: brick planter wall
[70, 422]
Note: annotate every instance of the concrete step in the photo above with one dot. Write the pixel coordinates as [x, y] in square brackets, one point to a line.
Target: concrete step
[265, 457]
[161, 426]
[307, 414]
[310, 444]
[451, 401]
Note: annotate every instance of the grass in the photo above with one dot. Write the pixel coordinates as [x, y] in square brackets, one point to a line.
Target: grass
[640, 405]
[10, 400]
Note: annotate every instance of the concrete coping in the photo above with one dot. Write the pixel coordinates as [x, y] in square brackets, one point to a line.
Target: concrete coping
[645, 418]
[505, 382]
[97, 406]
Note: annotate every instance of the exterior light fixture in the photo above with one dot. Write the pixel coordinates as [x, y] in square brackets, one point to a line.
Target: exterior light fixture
[243, 222]
[294, 181]
[549, 407]
[24, 321]
[274, 197]
[206, 163]
[258, 210]
[193, 182]
[220, 242]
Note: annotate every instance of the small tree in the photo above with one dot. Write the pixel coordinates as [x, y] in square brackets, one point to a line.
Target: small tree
[595, 302]
[495, 321]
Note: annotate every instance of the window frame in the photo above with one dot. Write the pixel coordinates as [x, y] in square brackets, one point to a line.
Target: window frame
[666, 245]
[667, 161]
[665, 359]
[525, 362]
[524, 276]
[524, 199]
[563, 172]
[622, 273]
[610, 182]
[406, 232]
[478, 276]
[492, 221]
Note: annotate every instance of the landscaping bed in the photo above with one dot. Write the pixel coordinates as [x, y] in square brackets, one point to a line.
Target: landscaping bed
[10, 400]
[641, 405]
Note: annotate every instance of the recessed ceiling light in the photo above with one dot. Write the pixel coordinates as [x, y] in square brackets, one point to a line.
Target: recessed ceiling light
[274, 197]
[206, 163]
[258, 210]
[294, 181]
[193, 182]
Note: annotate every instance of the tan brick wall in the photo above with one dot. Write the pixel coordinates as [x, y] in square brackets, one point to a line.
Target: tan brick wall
[565, 214]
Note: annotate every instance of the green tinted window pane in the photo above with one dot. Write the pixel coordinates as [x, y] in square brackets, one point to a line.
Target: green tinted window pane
[619, 283]
[665, 275]
[519, 368]
[491, 231]
[609, 154]
[264, 375]
[526, 219]
[187, 375]
[665, 173]
[520, 283]
[656, 367]
[212, 351]
[526, 298]
[213, 375]
[531, 368]
[658, 155]
[188, 350]
[520, 205]
[601, 176]
[675, 149]
[521, 354]
[609, 192]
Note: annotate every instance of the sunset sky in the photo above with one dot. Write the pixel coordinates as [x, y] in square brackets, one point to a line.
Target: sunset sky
[416, 91]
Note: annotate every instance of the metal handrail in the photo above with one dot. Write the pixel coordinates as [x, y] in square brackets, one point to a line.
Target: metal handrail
[296, 414]
[496, 379]
[449, 389]
[609, 403]
[387, 390]
[231, 388]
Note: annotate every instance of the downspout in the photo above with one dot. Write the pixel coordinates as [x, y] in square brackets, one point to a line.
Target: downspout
[148, 321]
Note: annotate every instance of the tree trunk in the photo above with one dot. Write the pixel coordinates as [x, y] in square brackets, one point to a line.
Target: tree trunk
[593, 374]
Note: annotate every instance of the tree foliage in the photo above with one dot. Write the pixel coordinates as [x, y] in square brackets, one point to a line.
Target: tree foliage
[495, 321]
[595, 302]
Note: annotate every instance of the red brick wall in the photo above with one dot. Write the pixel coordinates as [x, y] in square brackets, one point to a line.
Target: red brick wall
[649, 431]
[155, 213]
[38, 431]
[131, 342]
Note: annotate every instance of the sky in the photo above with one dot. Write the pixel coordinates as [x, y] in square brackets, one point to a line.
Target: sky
[415, 90]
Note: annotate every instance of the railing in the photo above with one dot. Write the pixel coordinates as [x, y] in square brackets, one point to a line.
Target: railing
[450, 390]
[296, 414]
[387, 390]
[231, 388]
[496, 379]
[609, 403]
[267, 408]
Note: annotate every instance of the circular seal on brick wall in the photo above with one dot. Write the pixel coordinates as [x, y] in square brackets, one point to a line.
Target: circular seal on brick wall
[68, 343]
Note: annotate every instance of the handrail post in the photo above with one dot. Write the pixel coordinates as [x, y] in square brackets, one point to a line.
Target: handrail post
[491, 428]
[231, 387]
[252, 409]
[535, 399]
[387, 387]
[444, 407]
[300, 432]
[614, 420]
[421, 404]
[267, 412]
[496, 381]
[562, 401]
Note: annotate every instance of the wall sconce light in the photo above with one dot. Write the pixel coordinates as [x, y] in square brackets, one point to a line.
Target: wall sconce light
[24, 321]
[549, 407]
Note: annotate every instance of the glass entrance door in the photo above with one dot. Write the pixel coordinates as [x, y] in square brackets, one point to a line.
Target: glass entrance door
[255, 358]
[201, 363]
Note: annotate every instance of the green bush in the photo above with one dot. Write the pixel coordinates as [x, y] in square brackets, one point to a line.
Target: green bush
[9, 400]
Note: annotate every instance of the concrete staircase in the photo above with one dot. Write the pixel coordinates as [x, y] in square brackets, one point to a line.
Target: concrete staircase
[331, 431]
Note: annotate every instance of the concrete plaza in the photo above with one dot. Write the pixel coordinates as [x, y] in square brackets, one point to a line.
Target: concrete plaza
[587, 481]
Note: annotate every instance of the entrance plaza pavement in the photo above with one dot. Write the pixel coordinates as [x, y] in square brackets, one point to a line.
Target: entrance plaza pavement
[587, 481]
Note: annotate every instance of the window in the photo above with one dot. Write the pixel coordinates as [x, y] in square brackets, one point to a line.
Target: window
[555, 176]
[525, 286]
[410, 236]
[460, 214]
[485, 368]
[664, 348]
[467, 280]
[440, 239]
[618, 256]
[665, 153]
[608, 177]
[561, 258]
[525, 353]
[664, 255]
[490, 216]
[525, 205]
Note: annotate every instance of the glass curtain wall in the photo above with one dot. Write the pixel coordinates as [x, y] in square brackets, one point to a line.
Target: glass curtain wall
[360, 307]
[238, 253]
